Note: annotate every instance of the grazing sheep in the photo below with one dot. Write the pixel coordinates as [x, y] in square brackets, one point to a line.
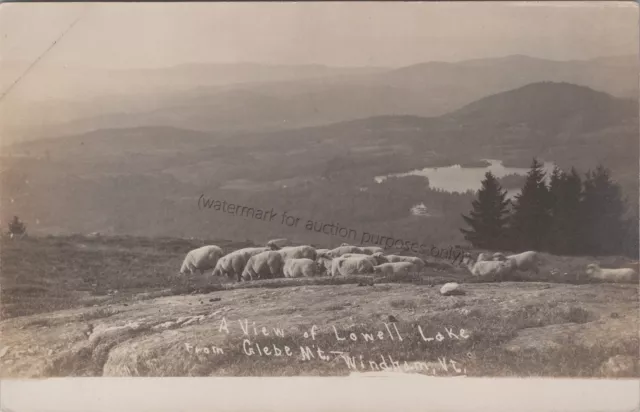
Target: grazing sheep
[296, 268]
[490, 269]
[499, 270]
[264, 265]
[279, 243]
[351, 266]
[417, 262]
[371, 250]
[482, 257]
[325, 262]
[348, 255]
[395, 268]
[232, 264]
[298, 252]
[201, 259]
[341, 250]
[526, 261]
[322, 252]
[622, 275]
[393, 258]
[373, 259]
[499, 256]
[380, 257]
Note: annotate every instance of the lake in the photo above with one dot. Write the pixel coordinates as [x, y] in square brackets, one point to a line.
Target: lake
[460, 179]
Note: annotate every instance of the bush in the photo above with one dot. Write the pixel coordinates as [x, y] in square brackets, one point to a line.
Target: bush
[16, 227]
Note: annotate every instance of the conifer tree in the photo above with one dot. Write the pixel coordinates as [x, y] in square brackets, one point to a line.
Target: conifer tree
[631, 241]
[565, 231]
[531, 216]
[602, 214]
[489, 216]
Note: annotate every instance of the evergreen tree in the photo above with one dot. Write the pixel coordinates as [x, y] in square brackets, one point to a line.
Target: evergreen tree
[631, 241]
[531, 218]
[489, 216]
[565, 231]
[556, 229]
[603, 214]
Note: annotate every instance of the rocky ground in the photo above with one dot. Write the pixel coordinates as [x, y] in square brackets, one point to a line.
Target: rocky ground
[300, 328]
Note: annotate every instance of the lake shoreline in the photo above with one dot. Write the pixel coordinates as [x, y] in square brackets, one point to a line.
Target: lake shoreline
[468, 175]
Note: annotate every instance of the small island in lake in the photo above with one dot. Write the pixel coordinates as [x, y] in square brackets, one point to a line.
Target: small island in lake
[475, 163]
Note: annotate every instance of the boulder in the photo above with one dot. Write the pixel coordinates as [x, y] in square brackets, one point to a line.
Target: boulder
[450, 289]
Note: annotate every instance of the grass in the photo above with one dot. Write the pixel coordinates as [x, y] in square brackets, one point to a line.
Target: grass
[53, 273]
[404, 303]
[111, 281]
[43, 274]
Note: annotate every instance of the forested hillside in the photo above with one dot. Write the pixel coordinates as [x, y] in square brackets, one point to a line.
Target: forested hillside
[147, 181]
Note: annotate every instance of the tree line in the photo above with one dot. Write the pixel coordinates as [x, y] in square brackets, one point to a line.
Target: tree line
[568, 216]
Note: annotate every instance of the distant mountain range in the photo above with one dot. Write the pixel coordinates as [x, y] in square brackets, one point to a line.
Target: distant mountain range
[271, 98]
[143, 180]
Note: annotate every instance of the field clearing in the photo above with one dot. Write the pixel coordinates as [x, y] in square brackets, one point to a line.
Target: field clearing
[80, 306]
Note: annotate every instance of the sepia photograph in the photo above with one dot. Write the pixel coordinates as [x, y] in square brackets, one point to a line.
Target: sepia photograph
[441, 190]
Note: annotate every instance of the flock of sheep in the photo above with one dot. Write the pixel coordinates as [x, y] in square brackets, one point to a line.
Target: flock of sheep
[276, 260]
[499, 266]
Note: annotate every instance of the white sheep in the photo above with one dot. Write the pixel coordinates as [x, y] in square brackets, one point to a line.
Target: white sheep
[326, 262]
[298, 252]
[232, 264]
[526, 261]
[371, 250]
[499, 256]
[482, 257]
[295, 268]
[322, 252]
[279, 243]
[417, 262]
[341, 250]
[394, 268]
[622, 275]
[264, 265]
[380, 257]
[374, 259]
[351, 266]
[490, 269]
[201, 259]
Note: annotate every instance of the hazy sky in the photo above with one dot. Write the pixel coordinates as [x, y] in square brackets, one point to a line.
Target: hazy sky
[117, 35]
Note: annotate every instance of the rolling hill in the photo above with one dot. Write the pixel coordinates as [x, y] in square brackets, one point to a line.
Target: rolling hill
[147, 180]
[273, 99]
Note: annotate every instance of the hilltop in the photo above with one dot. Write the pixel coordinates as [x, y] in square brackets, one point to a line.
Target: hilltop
[114, 306]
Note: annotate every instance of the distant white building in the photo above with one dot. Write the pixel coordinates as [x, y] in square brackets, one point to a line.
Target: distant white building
[420, 210]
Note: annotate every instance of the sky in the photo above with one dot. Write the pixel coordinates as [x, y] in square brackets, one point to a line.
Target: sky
[150, 35]
[38, 65]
